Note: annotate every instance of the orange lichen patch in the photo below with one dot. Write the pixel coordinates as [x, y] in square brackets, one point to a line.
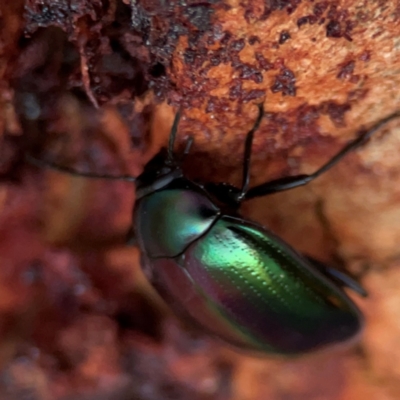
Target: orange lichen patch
[234, 57]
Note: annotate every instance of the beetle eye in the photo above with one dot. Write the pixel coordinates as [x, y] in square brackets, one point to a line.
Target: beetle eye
[206, 212]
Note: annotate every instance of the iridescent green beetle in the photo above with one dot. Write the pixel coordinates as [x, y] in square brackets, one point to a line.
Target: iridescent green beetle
[231, 276]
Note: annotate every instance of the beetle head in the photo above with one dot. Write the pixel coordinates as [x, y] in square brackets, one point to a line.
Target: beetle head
[157, 173]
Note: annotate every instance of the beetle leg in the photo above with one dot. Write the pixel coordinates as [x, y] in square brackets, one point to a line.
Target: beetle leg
[247, 152]
[338, 277]
[172, 136]
[291, 182]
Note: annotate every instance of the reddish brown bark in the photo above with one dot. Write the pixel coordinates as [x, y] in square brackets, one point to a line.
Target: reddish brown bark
[95, 85]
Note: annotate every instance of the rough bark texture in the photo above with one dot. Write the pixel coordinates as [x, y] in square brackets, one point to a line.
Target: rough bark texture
[87, 84]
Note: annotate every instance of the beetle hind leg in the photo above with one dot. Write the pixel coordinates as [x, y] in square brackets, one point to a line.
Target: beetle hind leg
[339, 277]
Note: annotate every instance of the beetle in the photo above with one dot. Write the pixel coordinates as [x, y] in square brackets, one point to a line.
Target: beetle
[229, 275]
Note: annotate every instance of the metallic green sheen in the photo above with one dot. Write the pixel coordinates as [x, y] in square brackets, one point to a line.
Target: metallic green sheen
[167, 221]
[266, 291]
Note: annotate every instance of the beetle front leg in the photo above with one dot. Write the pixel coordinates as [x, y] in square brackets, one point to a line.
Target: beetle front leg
[291, 182]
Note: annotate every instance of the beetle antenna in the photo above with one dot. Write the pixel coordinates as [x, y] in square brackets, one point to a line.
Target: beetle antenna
[172, 136]
[48, 165]
[247, 152]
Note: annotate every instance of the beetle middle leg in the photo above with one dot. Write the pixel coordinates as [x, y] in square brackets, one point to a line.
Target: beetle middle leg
[291, 182]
